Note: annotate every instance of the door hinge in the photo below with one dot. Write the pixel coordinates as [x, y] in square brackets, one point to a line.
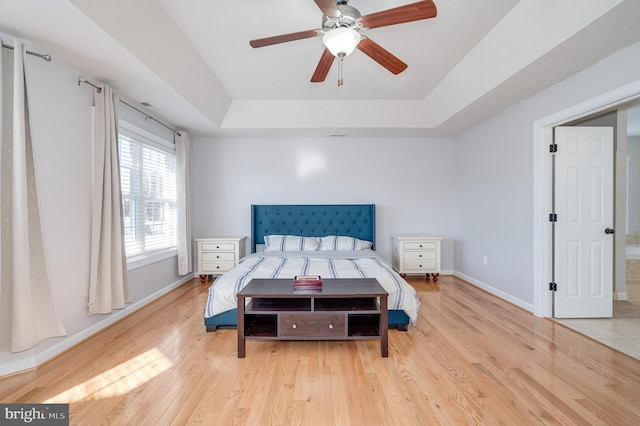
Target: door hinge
[553, 147]
[553, 287]
[553, 217]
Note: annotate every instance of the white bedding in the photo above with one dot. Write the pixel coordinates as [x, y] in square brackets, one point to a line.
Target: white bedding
[327, 264]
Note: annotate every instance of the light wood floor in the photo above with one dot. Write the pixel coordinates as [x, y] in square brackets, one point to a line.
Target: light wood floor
[472, 359]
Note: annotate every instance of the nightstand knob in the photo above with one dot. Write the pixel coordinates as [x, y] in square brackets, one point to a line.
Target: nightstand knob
[420, 245]
[294, 326]
[419, 255]
[330, 325]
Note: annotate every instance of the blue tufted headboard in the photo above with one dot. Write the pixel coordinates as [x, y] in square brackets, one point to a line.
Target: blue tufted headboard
[313, 220]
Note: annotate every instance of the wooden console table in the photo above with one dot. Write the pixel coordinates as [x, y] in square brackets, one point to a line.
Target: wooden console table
[344, 309]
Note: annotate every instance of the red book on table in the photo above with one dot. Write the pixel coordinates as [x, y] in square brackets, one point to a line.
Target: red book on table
[307, 281]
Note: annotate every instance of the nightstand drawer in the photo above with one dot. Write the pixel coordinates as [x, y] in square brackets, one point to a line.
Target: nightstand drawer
[213, 256]
[215, 267]
[218, 246]
[421, 255]
[420, 245]
[419, 265]
[312, 325]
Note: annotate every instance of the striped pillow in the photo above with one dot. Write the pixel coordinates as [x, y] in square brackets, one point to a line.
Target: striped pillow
[290, 243]
[336, 242]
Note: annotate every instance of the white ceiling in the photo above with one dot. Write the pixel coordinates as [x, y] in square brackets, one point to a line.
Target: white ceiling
[191, 60]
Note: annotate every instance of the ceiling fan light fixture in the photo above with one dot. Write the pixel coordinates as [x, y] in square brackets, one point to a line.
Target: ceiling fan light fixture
[341, 41]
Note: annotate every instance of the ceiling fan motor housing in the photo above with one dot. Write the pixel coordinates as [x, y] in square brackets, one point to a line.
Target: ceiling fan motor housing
[349, 18]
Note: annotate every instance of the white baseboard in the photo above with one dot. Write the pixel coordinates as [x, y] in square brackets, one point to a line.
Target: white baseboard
[498, 293]
[620, 295]
[38, 358]
[22, 364]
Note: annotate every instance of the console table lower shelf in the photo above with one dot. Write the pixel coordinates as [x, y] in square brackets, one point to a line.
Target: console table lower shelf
[345, 309]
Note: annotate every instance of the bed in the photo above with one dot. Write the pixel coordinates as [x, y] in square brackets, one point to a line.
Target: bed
[330, 240]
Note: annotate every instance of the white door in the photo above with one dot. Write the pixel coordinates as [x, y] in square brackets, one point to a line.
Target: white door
[584, 229]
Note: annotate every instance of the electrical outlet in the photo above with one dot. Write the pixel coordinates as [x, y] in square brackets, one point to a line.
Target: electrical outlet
[485, 261]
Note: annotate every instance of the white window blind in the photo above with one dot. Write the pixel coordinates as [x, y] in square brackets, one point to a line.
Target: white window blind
[148, 184]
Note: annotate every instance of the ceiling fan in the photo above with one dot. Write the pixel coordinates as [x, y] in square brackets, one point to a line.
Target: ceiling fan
[341, 26]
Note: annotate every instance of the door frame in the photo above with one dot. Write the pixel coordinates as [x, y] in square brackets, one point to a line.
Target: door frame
[542, 185]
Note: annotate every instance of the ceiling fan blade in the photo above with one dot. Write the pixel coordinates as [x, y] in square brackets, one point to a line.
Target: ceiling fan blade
[381, 56]
[329, 8]
[283, 38]
[326, 60]
[424, 9]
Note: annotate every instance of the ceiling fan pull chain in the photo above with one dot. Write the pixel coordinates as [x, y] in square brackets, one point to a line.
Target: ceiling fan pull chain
[340, 70]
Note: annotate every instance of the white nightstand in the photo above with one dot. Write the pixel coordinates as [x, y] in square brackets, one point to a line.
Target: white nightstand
[416, 254]
[217, 255]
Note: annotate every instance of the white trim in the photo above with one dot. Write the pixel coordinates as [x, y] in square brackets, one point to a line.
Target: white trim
[132, 131]
[542, 136]
[496, 292]
[12, 367]
[39, 358]
[149, 258]
[621, 295]
[626, 224]
[542, 243]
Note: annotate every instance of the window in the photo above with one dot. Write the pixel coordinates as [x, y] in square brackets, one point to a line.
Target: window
[148, 185]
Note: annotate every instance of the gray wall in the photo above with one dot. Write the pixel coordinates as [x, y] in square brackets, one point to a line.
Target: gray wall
[494, 203]
[410, 181]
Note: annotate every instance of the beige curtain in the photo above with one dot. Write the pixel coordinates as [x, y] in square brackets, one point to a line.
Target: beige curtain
[108, 282]
[185, 265]
[27, 312]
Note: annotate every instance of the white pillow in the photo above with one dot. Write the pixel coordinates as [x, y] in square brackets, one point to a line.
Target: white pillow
[290, 243]
[337, 242]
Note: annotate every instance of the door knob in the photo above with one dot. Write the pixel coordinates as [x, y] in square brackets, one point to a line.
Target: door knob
[609, 231]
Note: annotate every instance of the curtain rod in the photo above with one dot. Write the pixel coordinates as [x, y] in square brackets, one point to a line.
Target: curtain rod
[154, 119]
[99, 90]
[84, 80]
[40, 55]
